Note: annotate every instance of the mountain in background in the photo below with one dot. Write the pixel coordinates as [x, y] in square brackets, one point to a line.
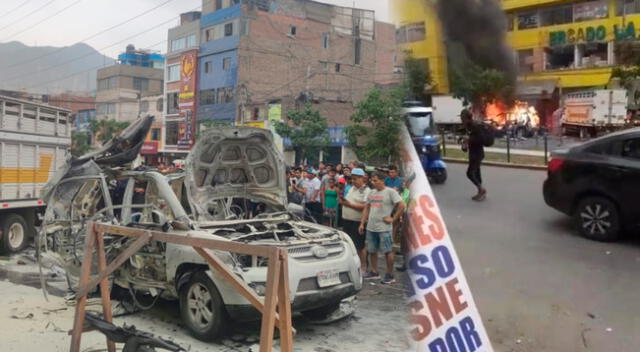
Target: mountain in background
[49, 70]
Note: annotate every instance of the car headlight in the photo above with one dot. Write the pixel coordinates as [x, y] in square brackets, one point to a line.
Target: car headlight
[347, 239]
[259, 287]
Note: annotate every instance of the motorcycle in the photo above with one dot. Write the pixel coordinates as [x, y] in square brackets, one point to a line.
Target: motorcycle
[421, 126]
[429, 151]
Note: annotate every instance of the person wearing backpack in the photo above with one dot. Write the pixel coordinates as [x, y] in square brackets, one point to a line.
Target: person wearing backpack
[474, 144]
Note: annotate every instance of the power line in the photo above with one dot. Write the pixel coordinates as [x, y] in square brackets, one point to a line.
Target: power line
[41, 21]
[94, 35]
[15, 9]
[29, 14]
[20, 76]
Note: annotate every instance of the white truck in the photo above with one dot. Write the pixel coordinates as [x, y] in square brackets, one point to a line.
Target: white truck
[34, 140]
[446, 112]
[589, 112]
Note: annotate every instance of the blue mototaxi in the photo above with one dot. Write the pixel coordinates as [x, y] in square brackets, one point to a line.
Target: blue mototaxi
[428, 145]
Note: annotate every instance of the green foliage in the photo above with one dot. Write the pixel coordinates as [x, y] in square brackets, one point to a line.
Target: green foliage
[307, 130]
[105, 130]
[79, 143]
[417, 77]
[375, 133]
[479, 87]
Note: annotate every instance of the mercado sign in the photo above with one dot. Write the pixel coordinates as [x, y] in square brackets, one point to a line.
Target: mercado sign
[443, 316]
[592, 34]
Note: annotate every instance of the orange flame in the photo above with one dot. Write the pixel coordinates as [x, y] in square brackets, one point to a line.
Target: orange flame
[521, 113]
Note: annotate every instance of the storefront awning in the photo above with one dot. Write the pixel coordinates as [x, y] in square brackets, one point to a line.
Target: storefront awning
[536, 89]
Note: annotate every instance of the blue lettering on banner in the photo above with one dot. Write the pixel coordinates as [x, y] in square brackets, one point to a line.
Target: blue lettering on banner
[442, 263]
[462, 339]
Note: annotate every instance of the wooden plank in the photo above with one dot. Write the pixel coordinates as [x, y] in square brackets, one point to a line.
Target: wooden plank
[234, 247]
[270, 301]
[104, 288]
[78, 319]
[284, 305]
[244, 289]
[124, 256]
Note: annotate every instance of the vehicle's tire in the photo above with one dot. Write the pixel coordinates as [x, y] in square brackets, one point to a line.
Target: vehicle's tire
[439, 176]
[598, 218]
[15, 234]
[321, 312]
[202, 308]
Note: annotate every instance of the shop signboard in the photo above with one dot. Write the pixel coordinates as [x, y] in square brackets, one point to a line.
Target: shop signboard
[186, 99]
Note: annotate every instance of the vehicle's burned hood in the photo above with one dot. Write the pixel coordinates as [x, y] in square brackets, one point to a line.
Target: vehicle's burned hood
[120, 151]
[123, 149]
[235, 162]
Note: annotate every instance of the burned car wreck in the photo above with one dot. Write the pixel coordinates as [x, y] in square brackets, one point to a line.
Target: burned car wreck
[232, 189]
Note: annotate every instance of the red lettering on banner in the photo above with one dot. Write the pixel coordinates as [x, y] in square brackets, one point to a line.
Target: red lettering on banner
[455, 295]
[428, 208]
[423, 328]
[417, 237]
[438, 306]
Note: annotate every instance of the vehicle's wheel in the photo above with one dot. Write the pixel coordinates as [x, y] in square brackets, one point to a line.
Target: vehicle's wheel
[14, 234]
[439, 176]
[598, 219]
[201, 307]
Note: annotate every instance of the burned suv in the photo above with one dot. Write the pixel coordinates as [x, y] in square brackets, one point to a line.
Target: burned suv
[233, 189]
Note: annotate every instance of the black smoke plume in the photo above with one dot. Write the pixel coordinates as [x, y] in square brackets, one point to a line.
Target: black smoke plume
[481, 27]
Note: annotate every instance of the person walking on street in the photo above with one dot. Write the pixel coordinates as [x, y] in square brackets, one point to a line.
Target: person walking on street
[353, 204]
[384, 207]
[311, 190]
[474, 145]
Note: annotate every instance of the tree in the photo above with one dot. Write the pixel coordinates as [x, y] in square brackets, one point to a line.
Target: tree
[105, 130]
[375, 133]
[479, 87]
[79, 143]
[417, 77]
[307, 130]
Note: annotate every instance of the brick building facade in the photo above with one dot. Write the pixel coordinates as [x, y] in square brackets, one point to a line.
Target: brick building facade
[257, 55]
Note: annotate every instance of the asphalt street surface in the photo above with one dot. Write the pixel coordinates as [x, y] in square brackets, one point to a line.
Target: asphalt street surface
[538, 285]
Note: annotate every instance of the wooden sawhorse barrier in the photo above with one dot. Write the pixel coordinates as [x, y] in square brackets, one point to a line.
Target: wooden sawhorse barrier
[276, 295]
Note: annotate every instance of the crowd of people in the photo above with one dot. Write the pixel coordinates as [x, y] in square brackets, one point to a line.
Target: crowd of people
[368, 204]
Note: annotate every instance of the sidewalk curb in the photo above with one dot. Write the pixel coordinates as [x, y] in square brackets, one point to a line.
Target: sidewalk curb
[499, 164]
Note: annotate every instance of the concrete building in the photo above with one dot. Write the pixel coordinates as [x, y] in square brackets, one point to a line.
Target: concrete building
[124, 88]
[259, 59]
[181, 75]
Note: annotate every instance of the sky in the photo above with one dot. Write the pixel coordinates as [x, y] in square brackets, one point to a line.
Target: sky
[66, 22]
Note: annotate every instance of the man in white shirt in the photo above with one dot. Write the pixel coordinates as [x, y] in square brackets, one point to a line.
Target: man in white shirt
[311, 190]
[353, 203]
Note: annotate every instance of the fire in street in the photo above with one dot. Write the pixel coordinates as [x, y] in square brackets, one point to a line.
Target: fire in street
[521, 113]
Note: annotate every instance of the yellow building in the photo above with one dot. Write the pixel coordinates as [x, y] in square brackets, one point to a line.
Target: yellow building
[569, 43]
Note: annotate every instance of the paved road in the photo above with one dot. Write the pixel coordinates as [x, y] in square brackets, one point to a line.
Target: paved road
[538, 285]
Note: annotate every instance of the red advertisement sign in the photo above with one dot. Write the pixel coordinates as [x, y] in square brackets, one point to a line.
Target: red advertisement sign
[187, 101]
[149, 148]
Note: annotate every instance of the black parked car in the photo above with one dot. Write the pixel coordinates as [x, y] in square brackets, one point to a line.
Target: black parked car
[598, 183]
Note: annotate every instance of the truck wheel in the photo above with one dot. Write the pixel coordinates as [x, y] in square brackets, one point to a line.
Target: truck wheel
[14, 234]
[201, 307]
[598, 219]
